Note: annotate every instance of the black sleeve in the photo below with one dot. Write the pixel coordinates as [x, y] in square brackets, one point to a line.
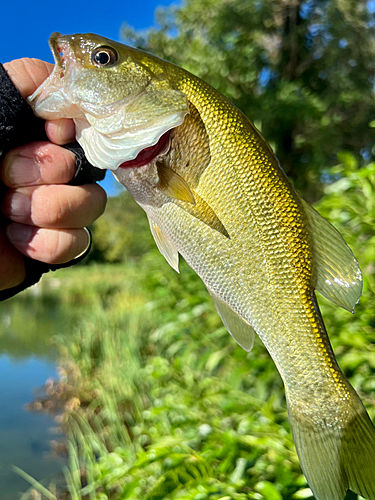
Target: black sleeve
[18, 126]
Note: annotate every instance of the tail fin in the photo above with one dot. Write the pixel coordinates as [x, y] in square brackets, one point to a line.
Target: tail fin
[337, 458]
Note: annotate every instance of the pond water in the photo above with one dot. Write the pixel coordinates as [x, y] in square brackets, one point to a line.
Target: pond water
[27, 360]
[24, 436]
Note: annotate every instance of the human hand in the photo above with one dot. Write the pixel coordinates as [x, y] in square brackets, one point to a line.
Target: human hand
[47, 216]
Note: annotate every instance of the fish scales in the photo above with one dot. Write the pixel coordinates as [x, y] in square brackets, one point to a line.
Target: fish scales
[215, 193]
[258, 171]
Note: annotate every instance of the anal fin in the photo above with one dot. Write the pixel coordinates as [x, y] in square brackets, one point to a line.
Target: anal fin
[241, 330]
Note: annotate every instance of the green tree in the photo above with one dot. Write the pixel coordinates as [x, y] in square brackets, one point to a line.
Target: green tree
[123, 233]
[302, 71]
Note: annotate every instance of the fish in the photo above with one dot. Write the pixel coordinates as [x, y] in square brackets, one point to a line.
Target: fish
[214, 193]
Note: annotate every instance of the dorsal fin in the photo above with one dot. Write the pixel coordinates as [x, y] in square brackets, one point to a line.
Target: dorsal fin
[165, 246]
[241, 330]
[336, 271]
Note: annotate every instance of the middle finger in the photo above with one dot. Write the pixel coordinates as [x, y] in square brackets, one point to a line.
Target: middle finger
[55, 206]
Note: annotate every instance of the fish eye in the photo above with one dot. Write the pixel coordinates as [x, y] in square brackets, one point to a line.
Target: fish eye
[104, 56]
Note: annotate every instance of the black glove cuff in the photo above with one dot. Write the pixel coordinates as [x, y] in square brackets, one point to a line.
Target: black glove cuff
[85, 173]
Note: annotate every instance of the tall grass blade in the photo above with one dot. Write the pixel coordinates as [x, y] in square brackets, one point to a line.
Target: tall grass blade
[39, 487]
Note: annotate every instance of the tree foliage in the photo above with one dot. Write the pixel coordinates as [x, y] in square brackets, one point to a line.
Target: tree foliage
[302, 71]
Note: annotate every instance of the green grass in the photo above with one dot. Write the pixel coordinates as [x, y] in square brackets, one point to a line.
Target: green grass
[165, 404]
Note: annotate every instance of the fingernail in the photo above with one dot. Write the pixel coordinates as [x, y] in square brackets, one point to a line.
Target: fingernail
[21, 170]
[18, 204]
[19, 233]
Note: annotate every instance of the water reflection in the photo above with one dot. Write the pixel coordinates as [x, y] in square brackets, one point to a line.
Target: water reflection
[27, 326]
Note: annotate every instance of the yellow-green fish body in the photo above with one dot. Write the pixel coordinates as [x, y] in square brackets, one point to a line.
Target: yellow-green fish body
[214, 192]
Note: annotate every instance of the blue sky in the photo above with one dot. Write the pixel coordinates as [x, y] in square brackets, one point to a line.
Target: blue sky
[27, 25]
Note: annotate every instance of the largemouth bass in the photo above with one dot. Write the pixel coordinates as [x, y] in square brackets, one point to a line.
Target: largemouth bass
[215, 193]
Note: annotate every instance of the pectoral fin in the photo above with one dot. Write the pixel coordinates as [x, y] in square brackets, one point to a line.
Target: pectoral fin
[337, 273]
[165, 246]
[203, 212]
[173, 185]
[240, 329]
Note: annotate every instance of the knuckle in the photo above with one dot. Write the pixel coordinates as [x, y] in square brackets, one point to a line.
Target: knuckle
[48, 206]
[61, 206]
[57, 165]
[56, 246]
[60, 131]
[38, 163]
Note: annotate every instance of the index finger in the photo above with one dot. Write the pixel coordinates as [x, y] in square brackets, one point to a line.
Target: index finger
[27, 74]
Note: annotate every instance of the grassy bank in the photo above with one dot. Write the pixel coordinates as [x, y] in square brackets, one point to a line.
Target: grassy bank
[159, 402]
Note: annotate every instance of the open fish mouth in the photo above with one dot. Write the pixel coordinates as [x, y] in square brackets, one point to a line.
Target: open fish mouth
[60, 57]
[120, 121]
[147, 155]
[62, 52]
[50, 100]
